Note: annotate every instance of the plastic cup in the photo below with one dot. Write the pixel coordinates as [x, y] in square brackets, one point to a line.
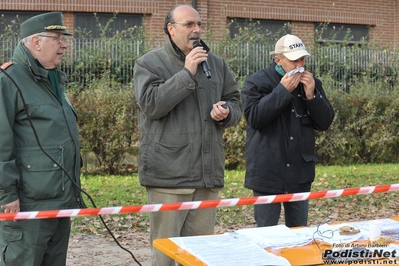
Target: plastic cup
[375, 227]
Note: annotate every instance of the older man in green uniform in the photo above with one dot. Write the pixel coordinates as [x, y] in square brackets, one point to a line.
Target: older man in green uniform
[39, 146]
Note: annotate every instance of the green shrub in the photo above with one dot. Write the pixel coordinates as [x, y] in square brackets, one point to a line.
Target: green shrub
[107, 121]
[234, 140]
[365, 129]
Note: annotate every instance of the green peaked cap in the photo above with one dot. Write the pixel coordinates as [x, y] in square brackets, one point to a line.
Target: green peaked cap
[51, 22]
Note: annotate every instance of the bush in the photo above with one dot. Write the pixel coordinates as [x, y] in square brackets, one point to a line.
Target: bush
[107, 121]
[234, 140]
[365, 129]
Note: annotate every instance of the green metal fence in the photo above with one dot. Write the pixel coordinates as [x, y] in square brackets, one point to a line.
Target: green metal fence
[342, 64]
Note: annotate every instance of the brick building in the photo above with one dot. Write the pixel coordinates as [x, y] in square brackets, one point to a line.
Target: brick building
[378, 19]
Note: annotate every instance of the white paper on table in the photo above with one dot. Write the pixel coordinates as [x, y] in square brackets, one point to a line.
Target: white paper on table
[229, 249]
[278, 236]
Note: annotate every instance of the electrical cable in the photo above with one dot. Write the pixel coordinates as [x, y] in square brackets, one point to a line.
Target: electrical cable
[62, 168]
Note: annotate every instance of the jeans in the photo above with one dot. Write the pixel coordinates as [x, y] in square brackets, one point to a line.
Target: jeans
[296, 212]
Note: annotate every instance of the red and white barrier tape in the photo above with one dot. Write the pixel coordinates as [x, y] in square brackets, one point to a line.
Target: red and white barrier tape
[199, 204]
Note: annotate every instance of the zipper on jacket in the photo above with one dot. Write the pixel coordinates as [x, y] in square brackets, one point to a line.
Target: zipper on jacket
[62, 159]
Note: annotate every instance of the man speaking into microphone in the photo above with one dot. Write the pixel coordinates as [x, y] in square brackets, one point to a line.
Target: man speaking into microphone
[183, 112]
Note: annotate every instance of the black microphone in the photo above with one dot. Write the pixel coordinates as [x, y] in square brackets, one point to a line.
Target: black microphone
[204, 64]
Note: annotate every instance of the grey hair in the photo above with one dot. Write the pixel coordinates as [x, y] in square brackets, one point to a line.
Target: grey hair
[27, 39]
[169, 17]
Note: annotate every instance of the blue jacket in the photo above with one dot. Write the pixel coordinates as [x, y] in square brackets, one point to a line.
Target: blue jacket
[280, 145]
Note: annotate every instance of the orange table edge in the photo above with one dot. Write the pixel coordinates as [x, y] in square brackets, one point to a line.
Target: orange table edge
[169, 248]
[303, 255]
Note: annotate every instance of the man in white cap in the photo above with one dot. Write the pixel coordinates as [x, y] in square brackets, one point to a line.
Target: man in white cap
[283, 104]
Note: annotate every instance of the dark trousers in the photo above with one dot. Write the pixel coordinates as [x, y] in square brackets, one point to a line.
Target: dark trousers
[296, 212]
[37, 242]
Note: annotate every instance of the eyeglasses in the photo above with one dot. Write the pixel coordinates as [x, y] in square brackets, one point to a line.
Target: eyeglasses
[61, 39]
[191, 24]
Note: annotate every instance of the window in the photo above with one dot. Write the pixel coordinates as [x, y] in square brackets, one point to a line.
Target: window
[89, 23]
[273, 26]
[341, 33]
[10, 20]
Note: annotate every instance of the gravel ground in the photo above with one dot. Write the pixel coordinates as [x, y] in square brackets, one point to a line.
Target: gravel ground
[95, 249]
[91, 249]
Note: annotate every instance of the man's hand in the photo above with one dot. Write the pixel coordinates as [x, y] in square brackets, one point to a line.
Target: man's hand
[194, 58]
[218, 112]
[290, 83]
[308, 84]
[306, 78]
[11, 207]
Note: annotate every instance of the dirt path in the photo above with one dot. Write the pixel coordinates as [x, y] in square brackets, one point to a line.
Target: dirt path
[90, 249]
[94, 249]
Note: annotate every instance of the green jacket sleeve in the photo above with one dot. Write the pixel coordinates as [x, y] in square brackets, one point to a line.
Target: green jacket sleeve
[9, 175]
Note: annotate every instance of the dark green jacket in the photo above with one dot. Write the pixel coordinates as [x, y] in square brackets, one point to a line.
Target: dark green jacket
[181, 146]
[28, 173]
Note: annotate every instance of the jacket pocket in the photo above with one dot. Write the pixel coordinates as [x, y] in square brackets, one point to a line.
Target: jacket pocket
[12, 248]
[168, 161]
[308, 169]
[42, 178]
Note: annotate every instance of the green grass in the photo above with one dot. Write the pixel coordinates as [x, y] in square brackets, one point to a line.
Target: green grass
[107, 191]
[360, 207]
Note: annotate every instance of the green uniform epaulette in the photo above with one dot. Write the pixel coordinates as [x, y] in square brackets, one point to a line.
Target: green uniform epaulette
[5, 65]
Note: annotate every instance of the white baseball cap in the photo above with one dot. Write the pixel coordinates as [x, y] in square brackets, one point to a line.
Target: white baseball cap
[291, 47]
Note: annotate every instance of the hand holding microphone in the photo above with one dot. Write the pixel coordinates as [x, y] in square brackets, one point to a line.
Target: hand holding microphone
[204, 64]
